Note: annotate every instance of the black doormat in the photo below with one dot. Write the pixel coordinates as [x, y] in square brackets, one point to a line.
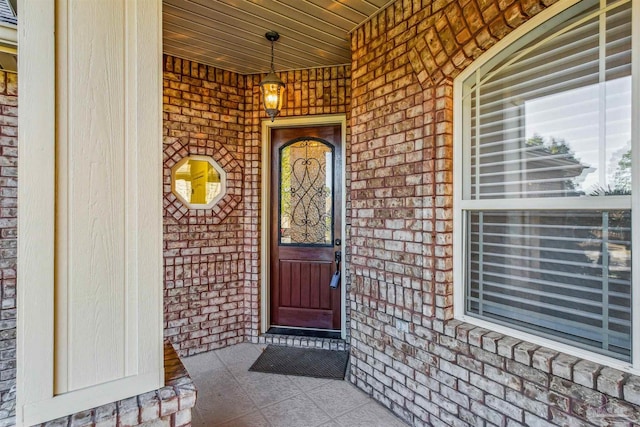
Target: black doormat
[306, 362]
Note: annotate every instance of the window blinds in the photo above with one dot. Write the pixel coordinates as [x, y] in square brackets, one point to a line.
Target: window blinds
[565, 275]
[551, 123]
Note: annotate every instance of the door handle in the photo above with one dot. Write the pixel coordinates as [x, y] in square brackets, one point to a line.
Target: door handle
[335, 279]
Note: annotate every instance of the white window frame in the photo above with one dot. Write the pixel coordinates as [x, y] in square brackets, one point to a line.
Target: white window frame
[215, 165]
[461, 200]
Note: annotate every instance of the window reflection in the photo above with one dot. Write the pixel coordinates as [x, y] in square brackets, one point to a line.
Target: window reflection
[554, 119]
[198, 181]
[584, 128]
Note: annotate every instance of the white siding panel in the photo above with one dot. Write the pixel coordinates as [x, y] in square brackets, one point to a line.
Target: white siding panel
[100, 312]
[36, 170]
[94, 198]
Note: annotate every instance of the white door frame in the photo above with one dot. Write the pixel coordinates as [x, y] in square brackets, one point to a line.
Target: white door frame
[265, 255]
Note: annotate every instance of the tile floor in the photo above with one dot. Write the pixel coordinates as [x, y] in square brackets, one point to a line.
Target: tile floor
[230, 395]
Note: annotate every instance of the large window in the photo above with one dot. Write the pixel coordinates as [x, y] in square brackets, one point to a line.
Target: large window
[544, 190]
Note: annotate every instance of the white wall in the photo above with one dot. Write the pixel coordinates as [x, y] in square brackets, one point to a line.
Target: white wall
[90, 217]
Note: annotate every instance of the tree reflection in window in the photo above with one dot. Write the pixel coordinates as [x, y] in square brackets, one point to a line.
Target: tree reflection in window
[306, 193]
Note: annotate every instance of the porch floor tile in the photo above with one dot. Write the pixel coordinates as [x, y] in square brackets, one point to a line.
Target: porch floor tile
[231, 396]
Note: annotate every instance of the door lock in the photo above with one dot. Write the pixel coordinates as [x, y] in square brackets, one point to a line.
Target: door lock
[337, 242]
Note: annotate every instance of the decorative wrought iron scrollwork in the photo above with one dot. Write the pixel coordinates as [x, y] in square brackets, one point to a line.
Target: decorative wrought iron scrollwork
[306, 193]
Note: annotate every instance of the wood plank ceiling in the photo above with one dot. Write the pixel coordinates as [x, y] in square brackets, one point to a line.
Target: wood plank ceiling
[229, 34]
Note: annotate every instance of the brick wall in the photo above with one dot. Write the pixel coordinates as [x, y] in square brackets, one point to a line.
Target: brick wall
[204, 257]
[212, 257]
[406, 349]
[8, 242]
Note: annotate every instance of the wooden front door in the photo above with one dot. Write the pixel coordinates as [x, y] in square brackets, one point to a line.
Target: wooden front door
[305, 226]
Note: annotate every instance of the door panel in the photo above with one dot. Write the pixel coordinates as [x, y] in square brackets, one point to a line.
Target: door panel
[305, 223]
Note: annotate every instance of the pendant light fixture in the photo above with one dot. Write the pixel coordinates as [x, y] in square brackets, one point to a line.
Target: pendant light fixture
[271, 87]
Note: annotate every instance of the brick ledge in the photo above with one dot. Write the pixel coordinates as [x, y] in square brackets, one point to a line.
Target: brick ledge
[298, 341]
[169, 406]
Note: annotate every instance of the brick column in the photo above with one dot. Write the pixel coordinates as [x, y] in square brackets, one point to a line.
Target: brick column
[8, 242]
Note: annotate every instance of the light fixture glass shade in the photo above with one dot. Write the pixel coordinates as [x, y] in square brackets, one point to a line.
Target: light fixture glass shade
[272, 90]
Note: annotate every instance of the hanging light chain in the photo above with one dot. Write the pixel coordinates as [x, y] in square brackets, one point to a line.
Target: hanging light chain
[273, 70]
